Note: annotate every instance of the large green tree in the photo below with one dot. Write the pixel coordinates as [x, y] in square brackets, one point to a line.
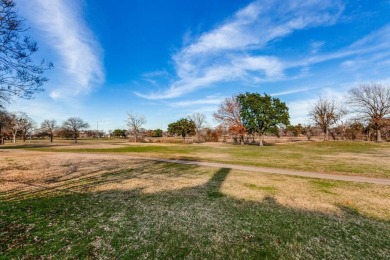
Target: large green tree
[182, 127]
[262, 114]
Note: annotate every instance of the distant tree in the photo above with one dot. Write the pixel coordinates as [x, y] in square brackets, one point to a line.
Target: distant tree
[100, 133]
[229, 116]
[295, 130]
[26, 125]
[182, 127]
[355, 130]
[212, 135]
[386, 130]
[4, 120]
[64, 133]
[308, 131]
[153, 133]
[325, 113]
[341, 128]
[262, 114]
[74, 125]
[48, 127]
[19, 76]
[199, 121]
[371, 102]
[158, 133]
[14, 125]
[120, 133]
[135, 123]
[95, 133]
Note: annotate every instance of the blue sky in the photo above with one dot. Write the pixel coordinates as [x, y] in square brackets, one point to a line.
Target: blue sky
[168, 59]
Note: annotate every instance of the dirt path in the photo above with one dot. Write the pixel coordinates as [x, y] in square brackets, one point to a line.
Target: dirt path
[317, 175]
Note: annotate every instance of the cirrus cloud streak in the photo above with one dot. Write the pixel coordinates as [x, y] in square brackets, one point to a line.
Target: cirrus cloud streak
[77, 59]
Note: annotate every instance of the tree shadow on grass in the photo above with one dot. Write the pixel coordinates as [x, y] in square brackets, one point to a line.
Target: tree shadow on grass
[75, 183]
[30, 146]
[194, 222]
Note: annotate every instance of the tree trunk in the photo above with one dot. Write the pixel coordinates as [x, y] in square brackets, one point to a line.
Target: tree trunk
[14, 137]
[260, 139]
[326, 137]
[51, 138]
[242, 140]
[378, 135]
[344, 133]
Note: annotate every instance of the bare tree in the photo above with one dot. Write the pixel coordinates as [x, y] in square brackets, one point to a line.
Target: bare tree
[135, 122]
[199, 121]
[4, 120]
[74, 125]
[14, 125]
[26, 125]
[48, 127]
[325, 113]
[228, 115]
[371, 102]
[19, 75]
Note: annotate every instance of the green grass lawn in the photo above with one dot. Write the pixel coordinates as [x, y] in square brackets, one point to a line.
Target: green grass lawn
[350, 158]
[159, 210]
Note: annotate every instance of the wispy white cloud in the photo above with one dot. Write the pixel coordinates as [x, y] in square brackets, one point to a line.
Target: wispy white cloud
[293, 91]
[375, 42]
[78, 55]
[226, 53]
[378, 39]
[316, 46]
[188, 103]
[156, 74]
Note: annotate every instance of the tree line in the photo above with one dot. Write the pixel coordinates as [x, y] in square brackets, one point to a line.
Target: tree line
[367, 104]
[250, 116]
[366, 110]
[247, 117]
[19, 124]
